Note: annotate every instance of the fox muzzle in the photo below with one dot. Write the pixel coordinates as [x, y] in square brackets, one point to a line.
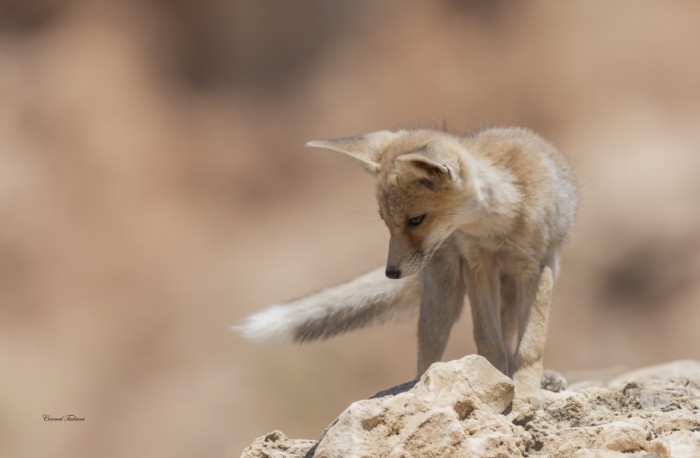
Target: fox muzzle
[393, 273]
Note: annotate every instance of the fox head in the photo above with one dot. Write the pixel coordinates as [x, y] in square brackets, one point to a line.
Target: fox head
[426, 188]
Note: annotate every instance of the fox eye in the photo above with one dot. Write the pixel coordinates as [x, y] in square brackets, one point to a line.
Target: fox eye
[413, 222]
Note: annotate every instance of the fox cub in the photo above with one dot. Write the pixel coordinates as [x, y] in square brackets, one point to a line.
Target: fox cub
[483, 215]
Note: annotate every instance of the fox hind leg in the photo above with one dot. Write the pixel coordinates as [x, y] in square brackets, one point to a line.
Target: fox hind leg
[534, 303]
[509, 317]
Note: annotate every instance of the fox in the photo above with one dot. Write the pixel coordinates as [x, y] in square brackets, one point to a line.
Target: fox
[483, 215]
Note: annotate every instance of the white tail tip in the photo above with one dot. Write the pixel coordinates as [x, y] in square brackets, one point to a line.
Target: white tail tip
[272, 325]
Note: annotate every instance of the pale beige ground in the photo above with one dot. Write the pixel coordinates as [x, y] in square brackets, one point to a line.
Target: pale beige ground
[154, 190]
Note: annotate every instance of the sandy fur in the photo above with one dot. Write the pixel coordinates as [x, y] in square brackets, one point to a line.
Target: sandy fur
[490, 213]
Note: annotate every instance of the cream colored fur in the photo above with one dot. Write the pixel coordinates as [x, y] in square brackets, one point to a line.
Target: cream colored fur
[484, 215]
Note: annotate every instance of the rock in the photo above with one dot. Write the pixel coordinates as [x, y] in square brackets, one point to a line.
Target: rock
[471, 378]
[427, 419]
[463, 408]
[678, 444]
[616, 436]
[277, 445]
[653, 376]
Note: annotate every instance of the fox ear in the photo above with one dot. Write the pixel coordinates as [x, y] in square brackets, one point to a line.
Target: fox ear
[365, 148]
[423, 166]
[440, 162]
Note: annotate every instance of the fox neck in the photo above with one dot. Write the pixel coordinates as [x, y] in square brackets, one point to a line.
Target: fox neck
[497, 209]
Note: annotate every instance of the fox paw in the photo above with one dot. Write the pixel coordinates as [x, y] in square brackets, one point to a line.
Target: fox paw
[553, 381]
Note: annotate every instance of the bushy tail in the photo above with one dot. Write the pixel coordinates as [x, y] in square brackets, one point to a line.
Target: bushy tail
[367, 299]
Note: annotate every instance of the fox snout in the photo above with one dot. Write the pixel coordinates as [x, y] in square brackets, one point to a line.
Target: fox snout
[408, 265]
[405, 257]
[393, 273]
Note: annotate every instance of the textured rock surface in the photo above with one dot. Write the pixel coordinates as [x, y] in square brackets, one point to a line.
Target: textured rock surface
[462, 408]
[277, 445]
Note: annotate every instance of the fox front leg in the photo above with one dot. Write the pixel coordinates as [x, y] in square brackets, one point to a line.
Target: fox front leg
[442, 300]
[484, 291]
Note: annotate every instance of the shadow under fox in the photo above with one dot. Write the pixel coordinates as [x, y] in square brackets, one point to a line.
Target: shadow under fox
[483, 215]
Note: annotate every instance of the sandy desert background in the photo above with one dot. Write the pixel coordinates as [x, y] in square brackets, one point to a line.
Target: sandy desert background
[154, 190]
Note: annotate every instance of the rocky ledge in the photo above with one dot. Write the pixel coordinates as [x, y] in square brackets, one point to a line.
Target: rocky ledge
[462, 408]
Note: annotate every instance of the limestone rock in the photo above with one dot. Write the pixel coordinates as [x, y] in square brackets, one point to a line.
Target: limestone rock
[428, 419]
[462, 409]
[678, 444]
[277, 445]
[651, 376]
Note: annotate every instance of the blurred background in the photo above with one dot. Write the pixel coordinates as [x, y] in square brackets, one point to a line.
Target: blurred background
[154, 190]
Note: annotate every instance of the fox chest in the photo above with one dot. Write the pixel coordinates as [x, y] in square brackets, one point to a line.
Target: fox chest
[502, 254]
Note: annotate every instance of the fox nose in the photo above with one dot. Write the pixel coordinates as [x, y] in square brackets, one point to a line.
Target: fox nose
[393, 273]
